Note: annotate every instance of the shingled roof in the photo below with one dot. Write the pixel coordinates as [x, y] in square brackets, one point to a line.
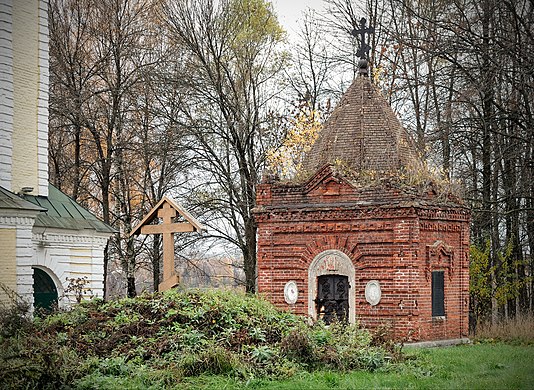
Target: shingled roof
[363, 133]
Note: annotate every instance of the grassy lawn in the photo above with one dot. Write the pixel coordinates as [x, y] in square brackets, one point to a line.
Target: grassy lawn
[481, 366]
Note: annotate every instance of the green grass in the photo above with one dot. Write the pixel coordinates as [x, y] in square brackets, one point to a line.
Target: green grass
[480, 366]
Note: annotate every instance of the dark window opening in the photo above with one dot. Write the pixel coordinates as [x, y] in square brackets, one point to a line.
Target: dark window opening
[438, 294]
[44, 291]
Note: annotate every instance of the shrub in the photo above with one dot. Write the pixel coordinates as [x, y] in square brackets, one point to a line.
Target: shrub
[33, 361]
[298, 346]
[14, 314]
[178, 333]
[29, 358]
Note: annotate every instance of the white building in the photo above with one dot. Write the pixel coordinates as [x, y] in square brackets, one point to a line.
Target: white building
[45, 237]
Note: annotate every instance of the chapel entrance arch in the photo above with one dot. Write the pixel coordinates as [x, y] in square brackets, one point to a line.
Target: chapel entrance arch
[331, 287]
[45, 295]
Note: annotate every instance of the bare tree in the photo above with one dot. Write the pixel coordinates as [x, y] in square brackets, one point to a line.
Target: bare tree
[313, 67]
[106, 117]
[73, 71]
[232, 66]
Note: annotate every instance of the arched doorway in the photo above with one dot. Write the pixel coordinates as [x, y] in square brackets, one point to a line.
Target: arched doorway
[331, 287]
[332, 302]
[45, 296]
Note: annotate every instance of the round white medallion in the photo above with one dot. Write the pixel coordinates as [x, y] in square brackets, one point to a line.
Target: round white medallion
[291, 292]
[373, 293]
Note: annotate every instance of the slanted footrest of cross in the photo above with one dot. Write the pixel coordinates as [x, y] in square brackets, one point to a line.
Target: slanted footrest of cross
[171, 282]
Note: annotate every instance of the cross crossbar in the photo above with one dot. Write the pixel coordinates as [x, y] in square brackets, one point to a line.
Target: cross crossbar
[363, 50]
[167, 210]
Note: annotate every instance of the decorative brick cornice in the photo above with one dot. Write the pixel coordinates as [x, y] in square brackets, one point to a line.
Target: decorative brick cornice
[440, 227]
[340, 227]
[459, 213]
[332, 213]
[328, 212]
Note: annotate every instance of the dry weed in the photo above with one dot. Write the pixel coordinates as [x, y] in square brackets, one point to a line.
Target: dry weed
[519, 329]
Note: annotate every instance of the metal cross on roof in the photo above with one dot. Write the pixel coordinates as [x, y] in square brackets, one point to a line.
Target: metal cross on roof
[363, 51]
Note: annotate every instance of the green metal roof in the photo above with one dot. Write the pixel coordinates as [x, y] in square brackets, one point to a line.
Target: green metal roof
[64, 213]
[11, 201]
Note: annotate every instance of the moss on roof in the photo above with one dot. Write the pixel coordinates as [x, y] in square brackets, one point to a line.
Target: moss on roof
[362, 134]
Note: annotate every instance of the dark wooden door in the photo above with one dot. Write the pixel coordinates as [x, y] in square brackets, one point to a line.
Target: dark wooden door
[332, 298]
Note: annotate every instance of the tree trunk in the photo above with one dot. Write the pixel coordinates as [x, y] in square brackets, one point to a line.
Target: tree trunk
[104, 187]
[155, 259]
[249, 255]
[77, 152]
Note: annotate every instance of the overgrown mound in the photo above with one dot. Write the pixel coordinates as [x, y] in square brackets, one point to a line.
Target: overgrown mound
[166, 337]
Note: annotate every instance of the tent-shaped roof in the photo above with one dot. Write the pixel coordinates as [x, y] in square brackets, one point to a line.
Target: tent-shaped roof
[362, 133]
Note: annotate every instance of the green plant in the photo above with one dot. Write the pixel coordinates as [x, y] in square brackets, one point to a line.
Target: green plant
[262, 353]
[14, 313]
[370, 359]
[213, 360]
[258, 334]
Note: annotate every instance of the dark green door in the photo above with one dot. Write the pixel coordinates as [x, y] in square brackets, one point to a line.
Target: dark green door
[44, 291]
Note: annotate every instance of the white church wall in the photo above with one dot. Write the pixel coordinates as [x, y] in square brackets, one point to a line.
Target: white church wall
[25, 87]
[24, 84]
[6, 93]
[42, 103]
[21, 225]
[72, 255]
[8, 264]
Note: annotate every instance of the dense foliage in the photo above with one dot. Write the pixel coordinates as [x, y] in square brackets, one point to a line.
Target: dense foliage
[164, 338]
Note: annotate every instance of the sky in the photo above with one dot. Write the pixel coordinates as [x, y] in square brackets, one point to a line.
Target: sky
[290, 11]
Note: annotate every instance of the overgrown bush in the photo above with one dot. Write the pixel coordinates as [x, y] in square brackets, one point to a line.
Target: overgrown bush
[178, 334]
[14, 313]
[29, 358]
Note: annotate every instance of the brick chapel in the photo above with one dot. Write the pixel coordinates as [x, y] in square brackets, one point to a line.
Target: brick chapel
[363, 233]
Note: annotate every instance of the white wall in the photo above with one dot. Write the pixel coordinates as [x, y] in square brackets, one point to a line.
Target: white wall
[6, 93]
[71, 254]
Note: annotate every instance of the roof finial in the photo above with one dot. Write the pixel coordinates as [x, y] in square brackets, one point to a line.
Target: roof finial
[363, 51]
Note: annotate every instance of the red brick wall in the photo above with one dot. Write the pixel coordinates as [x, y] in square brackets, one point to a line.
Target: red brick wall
[387, 238]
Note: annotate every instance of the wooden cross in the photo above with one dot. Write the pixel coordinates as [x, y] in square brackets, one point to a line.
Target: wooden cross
[363, 51]
[167, 210]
